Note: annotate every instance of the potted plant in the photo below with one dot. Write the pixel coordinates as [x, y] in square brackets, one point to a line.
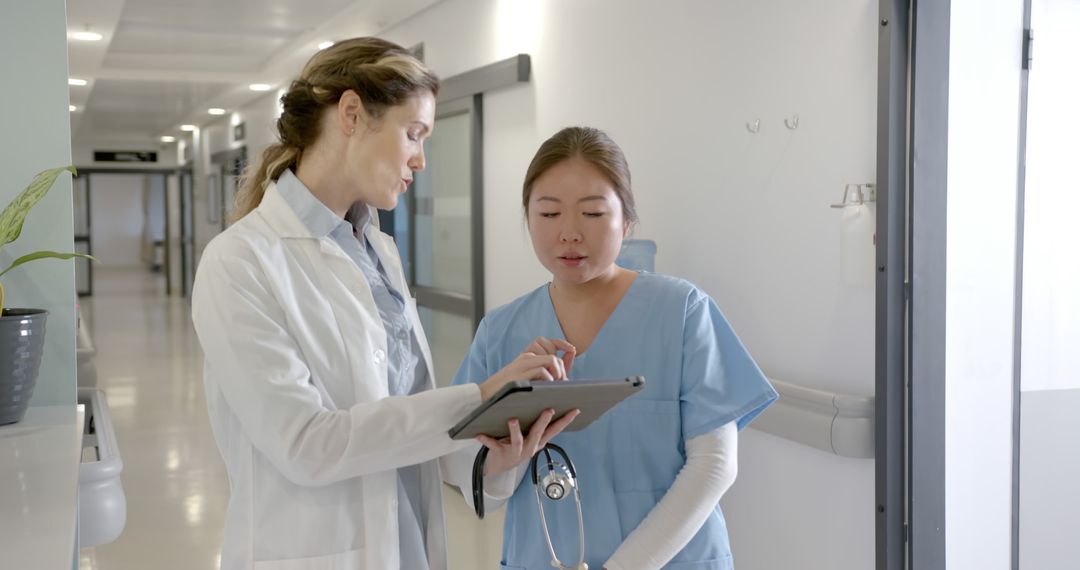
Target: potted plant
[22, 331]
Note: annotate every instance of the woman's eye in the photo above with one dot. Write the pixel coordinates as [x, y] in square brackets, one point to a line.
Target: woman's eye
[415, 137]
[548, 214]
[594, 214]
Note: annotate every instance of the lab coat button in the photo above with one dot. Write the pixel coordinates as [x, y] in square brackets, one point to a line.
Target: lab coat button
[379, 355]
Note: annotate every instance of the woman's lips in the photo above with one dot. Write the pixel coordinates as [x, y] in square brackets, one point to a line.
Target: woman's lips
[572, 260]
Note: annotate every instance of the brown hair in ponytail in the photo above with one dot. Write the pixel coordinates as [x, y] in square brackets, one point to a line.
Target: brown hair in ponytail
[382, 73]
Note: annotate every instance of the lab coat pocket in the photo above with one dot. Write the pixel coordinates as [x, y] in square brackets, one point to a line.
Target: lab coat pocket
[645, 439]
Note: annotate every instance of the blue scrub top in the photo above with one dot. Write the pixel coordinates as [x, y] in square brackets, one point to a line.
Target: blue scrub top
[698, 377]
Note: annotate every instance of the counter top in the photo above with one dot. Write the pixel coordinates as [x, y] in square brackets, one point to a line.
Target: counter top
[39, 481]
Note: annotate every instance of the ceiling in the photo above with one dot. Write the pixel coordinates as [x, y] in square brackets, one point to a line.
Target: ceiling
[163, 63]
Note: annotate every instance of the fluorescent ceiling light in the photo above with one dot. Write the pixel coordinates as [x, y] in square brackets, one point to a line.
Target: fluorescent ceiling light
[188, 128]
[87, 36]
[325, 45]
[168, 139]
[216, 111]
[76, 82]
[260, 87]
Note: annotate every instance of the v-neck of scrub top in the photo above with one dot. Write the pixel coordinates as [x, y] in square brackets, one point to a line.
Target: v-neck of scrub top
[554, 315]
[406, 370]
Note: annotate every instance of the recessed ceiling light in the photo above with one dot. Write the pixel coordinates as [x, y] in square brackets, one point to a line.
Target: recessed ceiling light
[77, 82]
[168, 139]
[72, 108]
[216, 111]
[188, 128]
[87, 36]
[260, 87]
[325, 45]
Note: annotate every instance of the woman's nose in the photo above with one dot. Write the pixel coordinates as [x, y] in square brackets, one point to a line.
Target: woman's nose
[418, 162]
[570, 234]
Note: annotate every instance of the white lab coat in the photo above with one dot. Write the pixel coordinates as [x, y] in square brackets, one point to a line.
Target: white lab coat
[296, 385]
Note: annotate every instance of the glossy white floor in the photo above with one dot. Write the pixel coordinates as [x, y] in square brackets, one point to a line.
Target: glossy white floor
[150, 366]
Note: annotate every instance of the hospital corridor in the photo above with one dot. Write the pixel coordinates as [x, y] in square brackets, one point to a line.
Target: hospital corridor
[149, 363]
[534, 284]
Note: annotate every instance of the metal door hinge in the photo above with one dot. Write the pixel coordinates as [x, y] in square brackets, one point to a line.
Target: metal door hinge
[1029, 40]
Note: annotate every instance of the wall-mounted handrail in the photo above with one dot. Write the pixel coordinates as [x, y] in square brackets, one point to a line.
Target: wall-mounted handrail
[842, 424]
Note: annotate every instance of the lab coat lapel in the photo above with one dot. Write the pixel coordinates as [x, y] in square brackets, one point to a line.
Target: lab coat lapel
[344, 284]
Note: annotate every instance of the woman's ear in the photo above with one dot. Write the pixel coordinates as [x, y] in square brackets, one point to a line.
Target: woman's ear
[350, 113]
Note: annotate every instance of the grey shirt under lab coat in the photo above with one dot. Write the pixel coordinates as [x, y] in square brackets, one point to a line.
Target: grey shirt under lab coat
[406, 370]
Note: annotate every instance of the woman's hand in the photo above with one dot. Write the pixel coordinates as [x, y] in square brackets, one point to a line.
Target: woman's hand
[552, 346]
[539, 361]
[506, 453]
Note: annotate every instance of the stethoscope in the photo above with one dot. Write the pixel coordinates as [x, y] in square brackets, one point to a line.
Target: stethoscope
[556, 483]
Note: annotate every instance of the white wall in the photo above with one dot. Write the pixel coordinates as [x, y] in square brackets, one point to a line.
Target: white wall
[117, 219]
[1049, 469]
[984, 105]
[155, 208]
[745, 216]
[1051, 274]
[259, 118]
[36, 135]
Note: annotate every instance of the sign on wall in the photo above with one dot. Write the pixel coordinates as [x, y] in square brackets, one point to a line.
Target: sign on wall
[125, 156]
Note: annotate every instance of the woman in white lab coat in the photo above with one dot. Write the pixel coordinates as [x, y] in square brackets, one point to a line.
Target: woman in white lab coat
[318, 376]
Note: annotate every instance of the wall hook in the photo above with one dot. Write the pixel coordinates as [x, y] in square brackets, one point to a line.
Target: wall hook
[755, 126]
[857, 195]
[792, 123]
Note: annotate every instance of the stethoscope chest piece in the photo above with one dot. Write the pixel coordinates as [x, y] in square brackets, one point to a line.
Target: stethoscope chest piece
[559, 481]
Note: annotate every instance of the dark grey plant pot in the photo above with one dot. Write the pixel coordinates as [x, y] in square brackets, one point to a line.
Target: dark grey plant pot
[22, 339]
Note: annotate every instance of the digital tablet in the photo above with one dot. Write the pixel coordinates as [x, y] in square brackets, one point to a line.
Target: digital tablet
[525, 401]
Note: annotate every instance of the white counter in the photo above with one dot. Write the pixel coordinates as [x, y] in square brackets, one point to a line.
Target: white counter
[39, 480]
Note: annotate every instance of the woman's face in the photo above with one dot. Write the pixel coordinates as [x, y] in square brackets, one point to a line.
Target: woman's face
[383, 154]
[576, 222]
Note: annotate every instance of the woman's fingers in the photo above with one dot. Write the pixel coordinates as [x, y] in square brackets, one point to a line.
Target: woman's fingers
[539, 373]
[536, 431]
[551, 347]
[542, 345]
[516, 439]
[556, 427]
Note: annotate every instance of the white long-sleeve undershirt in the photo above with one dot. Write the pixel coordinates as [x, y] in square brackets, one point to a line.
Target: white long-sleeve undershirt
[710, 469]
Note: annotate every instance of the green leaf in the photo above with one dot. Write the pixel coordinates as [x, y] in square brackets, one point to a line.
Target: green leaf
[44, 255]
[11, 220]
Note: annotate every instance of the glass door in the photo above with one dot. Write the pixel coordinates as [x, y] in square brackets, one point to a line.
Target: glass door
[445, 235]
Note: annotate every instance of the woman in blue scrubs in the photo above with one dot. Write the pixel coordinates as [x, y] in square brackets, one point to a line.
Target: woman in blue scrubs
[652, 470]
